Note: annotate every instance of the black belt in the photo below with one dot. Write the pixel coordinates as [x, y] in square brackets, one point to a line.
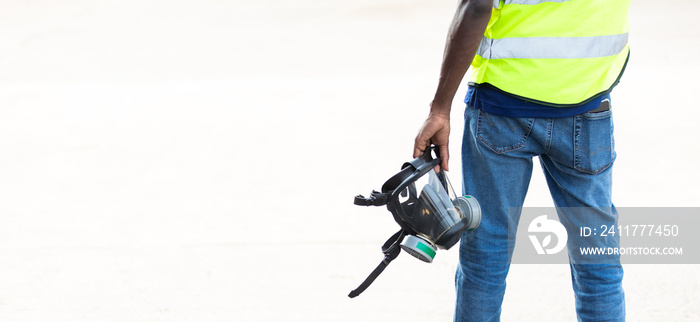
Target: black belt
[604, 106]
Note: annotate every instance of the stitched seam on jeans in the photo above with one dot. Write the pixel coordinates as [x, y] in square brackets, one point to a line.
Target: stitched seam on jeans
[520, 145]
[550, 130]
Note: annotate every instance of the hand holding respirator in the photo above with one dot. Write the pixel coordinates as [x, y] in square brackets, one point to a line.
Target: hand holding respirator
[424, 204]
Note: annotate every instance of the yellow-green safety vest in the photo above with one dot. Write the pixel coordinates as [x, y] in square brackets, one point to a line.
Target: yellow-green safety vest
[554, 52]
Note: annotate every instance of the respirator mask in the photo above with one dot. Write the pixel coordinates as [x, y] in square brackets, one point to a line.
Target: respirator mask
[424, 204]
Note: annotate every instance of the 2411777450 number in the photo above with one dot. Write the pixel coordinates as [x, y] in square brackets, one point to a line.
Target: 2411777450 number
[631, 231]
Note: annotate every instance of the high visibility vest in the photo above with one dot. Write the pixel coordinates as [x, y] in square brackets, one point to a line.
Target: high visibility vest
[554, 52]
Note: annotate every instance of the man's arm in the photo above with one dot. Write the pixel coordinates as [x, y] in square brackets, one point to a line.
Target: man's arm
[463, 40]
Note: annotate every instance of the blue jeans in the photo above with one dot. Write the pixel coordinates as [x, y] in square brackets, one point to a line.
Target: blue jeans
[576, 154]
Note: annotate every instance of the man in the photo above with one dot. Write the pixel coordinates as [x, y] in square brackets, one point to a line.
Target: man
[540, 86]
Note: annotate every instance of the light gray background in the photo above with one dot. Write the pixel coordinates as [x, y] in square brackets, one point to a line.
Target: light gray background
[196, 160]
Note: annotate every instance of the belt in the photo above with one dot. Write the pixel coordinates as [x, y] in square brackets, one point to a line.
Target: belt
[604, 106]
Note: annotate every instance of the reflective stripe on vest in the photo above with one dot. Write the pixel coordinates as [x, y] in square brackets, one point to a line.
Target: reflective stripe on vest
[554, 52]
[553, 47]
[497, 3]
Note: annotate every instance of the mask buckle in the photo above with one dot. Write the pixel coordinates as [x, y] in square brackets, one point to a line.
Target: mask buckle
[376, 198]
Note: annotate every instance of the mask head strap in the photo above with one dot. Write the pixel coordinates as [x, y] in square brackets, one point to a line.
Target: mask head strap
[391, 250]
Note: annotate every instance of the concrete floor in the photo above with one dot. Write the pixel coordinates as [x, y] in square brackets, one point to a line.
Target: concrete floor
[196, 160]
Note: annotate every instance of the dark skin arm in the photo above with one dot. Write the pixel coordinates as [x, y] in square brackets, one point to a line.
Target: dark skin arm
[463, 40]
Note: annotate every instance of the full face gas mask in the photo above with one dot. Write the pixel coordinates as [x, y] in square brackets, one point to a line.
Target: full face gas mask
[424, 204]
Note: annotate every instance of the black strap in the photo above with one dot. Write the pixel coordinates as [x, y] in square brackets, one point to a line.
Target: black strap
[391, 250]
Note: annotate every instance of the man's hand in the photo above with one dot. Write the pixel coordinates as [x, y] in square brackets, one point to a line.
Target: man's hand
[435, 130]
[465, 35]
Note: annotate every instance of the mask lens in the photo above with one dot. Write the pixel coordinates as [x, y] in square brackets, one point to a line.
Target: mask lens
[428, 206]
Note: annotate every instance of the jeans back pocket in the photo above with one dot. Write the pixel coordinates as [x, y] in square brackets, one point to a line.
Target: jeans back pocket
[594, 145]
[502, 134]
